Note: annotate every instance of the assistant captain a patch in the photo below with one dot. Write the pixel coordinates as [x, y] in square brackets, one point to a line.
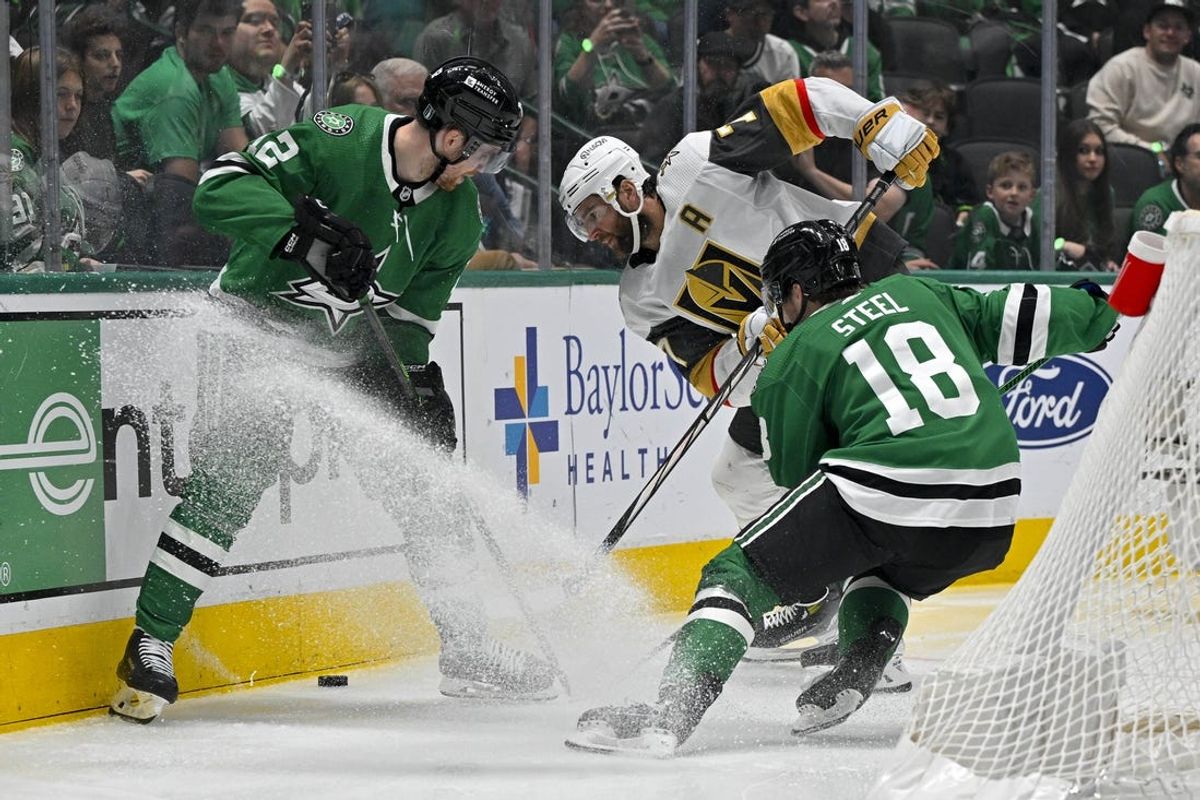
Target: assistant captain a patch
[334, 123]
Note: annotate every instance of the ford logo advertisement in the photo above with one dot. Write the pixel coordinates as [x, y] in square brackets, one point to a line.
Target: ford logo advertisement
[1057, 404]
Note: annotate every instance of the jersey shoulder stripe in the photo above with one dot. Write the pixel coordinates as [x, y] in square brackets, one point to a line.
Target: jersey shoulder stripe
[788, 104]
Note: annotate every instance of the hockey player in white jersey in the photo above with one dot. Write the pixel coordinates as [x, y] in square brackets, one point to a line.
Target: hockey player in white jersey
[693, 236]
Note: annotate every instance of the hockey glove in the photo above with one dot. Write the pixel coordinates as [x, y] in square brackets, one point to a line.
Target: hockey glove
[891, 139]
[431, 412]
[1097, 291]
[761, 325]
[334, 250]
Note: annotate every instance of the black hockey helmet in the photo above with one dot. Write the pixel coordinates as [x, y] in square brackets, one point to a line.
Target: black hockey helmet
[818, 254]
[477, 98]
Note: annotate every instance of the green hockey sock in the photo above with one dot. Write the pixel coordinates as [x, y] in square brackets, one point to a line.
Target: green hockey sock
[165, 604]
[704, 647]
[866, 600]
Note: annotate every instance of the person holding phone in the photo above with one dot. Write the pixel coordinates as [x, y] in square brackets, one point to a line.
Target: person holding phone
[606, 69]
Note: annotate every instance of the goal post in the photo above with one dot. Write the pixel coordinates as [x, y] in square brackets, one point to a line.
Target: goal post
[1085, 680]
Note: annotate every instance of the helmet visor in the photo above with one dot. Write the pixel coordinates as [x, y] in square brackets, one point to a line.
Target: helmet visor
[772, 298]
[584, 219]
[485, 156]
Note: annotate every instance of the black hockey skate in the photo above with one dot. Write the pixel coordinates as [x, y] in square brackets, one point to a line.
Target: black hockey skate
[147, 675]
[495, 671]
[644, 730]
[842, 691]
[785, 625]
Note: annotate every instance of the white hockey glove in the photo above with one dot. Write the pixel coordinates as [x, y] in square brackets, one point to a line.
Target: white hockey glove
[762, 326]
[892, 139]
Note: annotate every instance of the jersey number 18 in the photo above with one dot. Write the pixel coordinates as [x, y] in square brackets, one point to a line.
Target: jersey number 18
[899, 338]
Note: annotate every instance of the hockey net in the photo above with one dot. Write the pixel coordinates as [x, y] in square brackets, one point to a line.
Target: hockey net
[1085, 680]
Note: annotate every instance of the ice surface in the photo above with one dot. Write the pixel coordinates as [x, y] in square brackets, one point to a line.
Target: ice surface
[390, 734]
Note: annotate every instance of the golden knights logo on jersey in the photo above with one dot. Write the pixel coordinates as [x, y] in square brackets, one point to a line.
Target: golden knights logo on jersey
[720, 288]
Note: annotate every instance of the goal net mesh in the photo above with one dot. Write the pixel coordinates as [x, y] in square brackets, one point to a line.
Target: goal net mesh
[1085, 680]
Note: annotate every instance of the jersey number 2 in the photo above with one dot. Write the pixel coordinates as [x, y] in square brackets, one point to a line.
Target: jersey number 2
[271, 153]
[899, 338]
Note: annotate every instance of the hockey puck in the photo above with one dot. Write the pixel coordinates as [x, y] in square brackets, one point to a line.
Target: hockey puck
[333, 680]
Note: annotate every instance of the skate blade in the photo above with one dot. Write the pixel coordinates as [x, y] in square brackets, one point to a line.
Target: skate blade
[648, 744]
[467, 689]
[134, 705]
[894, 680]
[814, 718]
[808, 651]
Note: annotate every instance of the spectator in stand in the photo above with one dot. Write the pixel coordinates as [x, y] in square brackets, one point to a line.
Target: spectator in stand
[26, 250]
[771, 60]
[179, 113]
[95, 37]
[1144, 96]
[607, 72]
[822, 28]
[476, 28]
[399, 81]
[1003, 232]
[265, 70]
[1174, 194]
[949, 174]
[721, 87]
[1083, 200]
[350, 88]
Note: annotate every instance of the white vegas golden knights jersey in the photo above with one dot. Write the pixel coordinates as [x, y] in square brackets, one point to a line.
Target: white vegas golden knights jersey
[723, 209]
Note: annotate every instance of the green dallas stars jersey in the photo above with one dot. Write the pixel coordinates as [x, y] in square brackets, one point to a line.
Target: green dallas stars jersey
[885, 392]
[422, 239]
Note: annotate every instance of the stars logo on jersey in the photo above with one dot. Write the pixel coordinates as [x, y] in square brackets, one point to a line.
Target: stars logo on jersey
[311, 293]
[334, 123]
[720, 288]
[18, 160]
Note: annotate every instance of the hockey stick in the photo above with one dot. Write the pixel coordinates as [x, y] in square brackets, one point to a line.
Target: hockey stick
[502, 563]
[714, 404]
[1012, 382]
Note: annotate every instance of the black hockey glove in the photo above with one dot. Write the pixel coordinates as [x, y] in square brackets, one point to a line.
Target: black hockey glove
[334, 250]
[1097, 291]
[431, 412]
[1091, 287]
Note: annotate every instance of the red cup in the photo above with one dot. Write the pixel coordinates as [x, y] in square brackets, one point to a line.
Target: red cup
[1140, 273]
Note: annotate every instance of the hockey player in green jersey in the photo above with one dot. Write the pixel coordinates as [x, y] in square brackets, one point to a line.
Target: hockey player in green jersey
[865, 406]
[324, 213]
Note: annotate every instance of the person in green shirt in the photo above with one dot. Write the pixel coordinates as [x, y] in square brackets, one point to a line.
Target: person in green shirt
[355, 206]
[177, 115]
[604, 63]
[866, 398]
[1180, 193]
[1003, 232]
[823, 29]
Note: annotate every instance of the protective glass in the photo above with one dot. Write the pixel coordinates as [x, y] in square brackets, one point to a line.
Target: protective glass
[485, 156]
[582, 223]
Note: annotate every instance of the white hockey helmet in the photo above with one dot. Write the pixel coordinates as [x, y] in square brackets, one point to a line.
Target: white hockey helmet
[594, 171]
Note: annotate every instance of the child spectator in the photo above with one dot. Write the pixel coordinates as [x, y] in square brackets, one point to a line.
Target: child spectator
[933, 103]
[1083, 200]
[1174, 194]
[1003, 232]
[27, 248]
